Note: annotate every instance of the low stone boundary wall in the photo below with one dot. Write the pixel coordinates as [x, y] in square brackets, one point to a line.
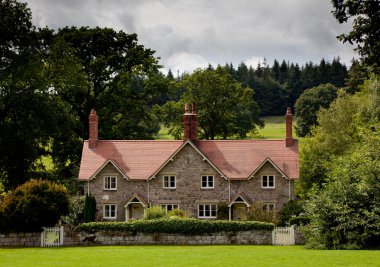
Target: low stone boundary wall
[74, 238]
[20, 240]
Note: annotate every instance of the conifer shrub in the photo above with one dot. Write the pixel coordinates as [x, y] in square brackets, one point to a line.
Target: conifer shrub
[89, 211]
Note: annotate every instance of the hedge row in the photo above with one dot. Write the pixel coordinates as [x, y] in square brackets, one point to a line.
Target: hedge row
[175, 226]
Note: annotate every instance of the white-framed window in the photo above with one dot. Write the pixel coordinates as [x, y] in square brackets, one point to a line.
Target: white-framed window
[110, 182]
[269, 206]
[109, 211]
[207, 211]
[268, 181]
[207, 181]
[169, 207]
[169, 181]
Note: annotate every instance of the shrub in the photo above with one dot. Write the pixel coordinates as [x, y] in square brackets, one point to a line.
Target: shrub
[89, 208]
[35, 204]
[302, 220]
[292, 208]
[154, 212]
[222, 211]
[176, 226]
[257, 213]
[177, 213]
[76, 214]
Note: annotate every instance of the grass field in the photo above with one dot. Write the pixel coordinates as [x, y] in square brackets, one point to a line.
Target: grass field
[186, 256]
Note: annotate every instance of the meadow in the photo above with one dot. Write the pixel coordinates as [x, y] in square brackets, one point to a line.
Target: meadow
[228, 255]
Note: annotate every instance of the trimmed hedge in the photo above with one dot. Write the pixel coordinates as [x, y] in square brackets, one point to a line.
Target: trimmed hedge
[175, 226]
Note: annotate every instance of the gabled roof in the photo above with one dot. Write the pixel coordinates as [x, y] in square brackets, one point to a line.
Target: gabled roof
[238, 159]
[233, 159]
[135, 159]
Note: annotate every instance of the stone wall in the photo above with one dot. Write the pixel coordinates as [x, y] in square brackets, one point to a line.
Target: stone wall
[20, 240]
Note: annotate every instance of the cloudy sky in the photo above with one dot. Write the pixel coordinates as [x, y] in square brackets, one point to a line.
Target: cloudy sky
[187, 34]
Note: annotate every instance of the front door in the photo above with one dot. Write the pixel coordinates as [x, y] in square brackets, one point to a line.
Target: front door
[136, 211]
[239, 211]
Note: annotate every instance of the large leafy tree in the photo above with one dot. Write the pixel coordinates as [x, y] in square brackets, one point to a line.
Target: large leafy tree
[366, 28]
[225, 108]
[308, 104]
[26, 106]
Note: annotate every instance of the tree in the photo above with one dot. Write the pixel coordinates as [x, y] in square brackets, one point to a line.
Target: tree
[366, 28]
[308, 104]
[27, 108]
[224, 107]
[33, 205]
[345, 212]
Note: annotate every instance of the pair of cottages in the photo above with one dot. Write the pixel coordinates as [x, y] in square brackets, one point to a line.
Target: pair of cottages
[127, 176]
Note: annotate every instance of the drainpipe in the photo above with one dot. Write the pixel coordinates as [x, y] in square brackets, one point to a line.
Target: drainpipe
[229, 191]
[148, 193]
[229, 213]
[289, 189]
[88, 187]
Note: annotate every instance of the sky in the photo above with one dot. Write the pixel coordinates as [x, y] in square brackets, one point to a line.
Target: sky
[190, 34]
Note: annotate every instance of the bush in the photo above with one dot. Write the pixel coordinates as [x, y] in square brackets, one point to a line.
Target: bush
[177, 213]
[76, 214]
[154, 212]
[175, 226]
[89, 208]
[222, 213]
[257, 213]
[302, 220]
[292, 208]
[35, 204]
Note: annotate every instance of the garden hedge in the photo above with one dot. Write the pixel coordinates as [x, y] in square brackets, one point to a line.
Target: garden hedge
[175, 226]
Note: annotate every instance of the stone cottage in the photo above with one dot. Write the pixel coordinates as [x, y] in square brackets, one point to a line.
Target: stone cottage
[127, 176]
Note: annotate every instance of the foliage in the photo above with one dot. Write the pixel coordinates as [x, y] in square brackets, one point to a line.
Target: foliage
[308, 104]
[154, 212]
[89, 210]
[176, 225]
[345, 213]
[35, 204]
[225, 108]
[291, 209]
[257, 213]
[76, 213]
[301, 220]
[177, 213]
[365, 32]
[222, 211]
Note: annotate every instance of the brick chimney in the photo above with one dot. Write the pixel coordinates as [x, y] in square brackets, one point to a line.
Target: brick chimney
[190, 123]
[93, 129]
[289, 127]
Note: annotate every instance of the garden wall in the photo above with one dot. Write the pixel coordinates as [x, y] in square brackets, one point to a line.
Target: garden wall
[20, 240]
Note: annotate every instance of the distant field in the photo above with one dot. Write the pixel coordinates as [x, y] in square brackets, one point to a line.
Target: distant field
[235, 255]
[274, 129]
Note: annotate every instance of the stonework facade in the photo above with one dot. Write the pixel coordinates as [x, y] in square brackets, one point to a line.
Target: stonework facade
[127, 176]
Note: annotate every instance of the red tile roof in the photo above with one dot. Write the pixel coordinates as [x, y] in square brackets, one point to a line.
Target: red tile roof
[235, 159]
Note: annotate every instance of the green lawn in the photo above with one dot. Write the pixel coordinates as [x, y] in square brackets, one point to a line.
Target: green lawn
[186, 256]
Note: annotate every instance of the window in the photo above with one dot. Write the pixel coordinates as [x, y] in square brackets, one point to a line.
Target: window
[109, 211]
[169, 207]
[110, 183]
[169, 181]
[207, 181]
[267, 181]
[268, 206]
[207, 211]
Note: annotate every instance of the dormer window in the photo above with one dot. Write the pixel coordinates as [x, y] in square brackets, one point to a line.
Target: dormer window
[169, 181]
[268, 181]
[110, 183]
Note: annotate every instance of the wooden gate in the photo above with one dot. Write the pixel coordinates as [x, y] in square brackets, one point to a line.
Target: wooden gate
[52, 236]
[283, 236]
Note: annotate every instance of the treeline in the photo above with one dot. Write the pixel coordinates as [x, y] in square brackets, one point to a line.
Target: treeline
[280, 85]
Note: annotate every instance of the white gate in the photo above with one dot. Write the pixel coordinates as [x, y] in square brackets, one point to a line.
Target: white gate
[282, 236]
[52, 236]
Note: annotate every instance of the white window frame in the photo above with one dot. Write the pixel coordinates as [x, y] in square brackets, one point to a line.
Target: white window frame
[207, 178]
[205, 211]
[109, 216]
[107, 185]
[267, 205]
[267, 177]
[172, 207]
[167, 185]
